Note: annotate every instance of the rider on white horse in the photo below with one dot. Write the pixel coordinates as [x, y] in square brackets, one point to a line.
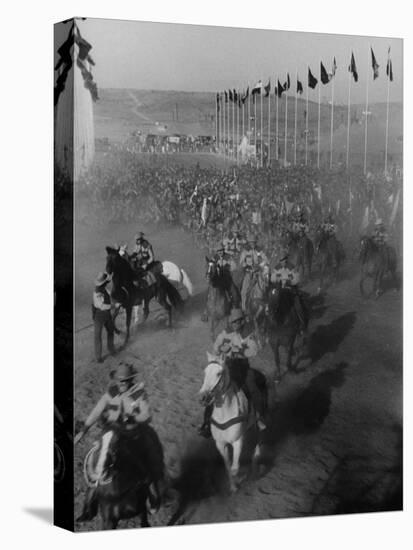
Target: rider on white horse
[228, 345]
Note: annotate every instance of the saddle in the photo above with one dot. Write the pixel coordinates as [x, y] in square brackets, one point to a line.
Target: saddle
[145, 280]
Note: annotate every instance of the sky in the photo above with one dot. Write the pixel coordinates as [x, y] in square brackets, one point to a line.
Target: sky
[162, 56]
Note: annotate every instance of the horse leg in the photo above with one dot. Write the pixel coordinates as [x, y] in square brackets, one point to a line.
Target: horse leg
[145, 309]
[290, 355]
[109, 521]
[225, 451]
[236, 454]
[276, 351]
[115, 313]
[162, 301]
[128, 322]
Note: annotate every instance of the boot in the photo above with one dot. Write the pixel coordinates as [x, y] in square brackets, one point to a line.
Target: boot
[205, 429]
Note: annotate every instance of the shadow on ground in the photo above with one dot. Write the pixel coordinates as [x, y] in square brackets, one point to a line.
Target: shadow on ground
[327, 338]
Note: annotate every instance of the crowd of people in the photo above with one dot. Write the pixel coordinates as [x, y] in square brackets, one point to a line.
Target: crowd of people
[211, 202]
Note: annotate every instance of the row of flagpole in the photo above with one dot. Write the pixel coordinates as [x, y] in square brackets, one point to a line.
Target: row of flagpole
[225, 136]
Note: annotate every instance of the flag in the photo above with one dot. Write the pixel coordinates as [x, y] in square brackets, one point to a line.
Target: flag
[352, 68]
[325, 79]
[267, 88]
[230, 95]
[312, 81]
[299, 87]
[374, 64]
[235, 96]
[287, 84]
[245, 96]
[257, 88]
[389, 67]
[218, 107]
[226, 97]
[333, 70]
[279, 89]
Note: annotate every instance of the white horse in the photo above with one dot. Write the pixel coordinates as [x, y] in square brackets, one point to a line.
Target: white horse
[178, 276]
[175, 275]
[231, 417]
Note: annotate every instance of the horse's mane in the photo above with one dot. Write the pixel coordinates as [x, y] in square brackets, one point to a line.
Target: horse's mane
[284, 305]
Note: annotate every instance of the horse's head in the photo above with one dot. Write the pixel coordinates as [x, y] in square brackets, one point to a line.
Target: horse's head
[112, 259]
[101, 459]
[212, 269]
[213, 376]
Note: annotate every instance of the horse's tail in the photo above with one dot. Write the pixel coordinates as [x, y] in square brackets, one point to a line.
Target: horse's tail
[186, 281]
[172, 294]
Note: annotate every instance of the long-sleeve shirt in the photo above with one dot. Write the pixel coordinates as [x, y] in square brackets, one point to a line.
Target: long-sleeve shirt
[229, 343]
[114, 406]
[101, 300]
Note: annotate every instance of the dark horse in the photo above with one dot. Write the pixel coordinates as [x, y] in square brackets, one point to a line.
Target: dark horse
[376, 261]
[119, 472]
[330, 254]
[286, 320]
[131, 288]
[301, 252]
[223, 294]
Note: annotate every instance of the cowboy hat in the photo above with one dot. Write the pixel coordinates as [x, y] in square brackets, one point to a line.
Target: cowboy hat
[125, 371]
[284, 258]
[379, 221]
[236, 315]
[102, 279]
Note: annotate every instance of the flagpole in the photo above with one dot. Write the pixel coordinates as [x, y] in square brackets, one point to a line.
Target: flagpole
[243, 118]
[367, 108]
[249, 115]
[233, 127]
[228, 128]
[387, 118]
[237, 125]
[223, 130]
[276, 121]
[348, 118]
[319, 115]
[286, 128]
[269, 128]
[295, 120]
[262, 134]
[216, 121]
[332, 121]
[255, 125]
[306, 121]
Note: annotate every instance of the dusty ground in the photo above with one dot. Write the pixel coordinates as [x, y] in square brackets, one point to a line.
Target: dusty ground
[334, 442]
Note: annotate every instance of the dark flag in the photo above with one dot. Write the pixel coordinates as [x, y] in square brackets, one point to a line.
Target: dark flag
[235, 96]
[374, 64]
[245, 96]
[226, 97]
[230, 95]
[299, 87]
[333, 71]
[312, 81]
[257, 88]
[239, 100]
[218, 107]
[352, 68]
[267, 88]
[279, 89]
[287, 84]
[325, 79]
[389, 67]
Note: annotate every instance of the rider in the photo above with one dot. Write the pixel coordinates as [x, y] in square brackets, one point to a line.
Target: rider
[143, 251]
[229, 244]
[231, 344]
[380, 236]
[125, 402]
[102, 315]
[249, 260]
[300, 224]
[285, 275]
[329, 227]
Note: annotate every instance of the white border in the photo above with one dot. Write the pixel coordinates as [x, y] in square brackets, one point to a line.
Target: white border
[26, 125]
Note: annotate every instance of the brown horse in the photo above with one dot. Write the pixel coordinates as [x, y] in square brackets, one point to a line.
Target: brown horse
[223, 295]
[376, 262]
[119, 472]
[284, 323]
[330, 256]
[301, 252]
[130, 288]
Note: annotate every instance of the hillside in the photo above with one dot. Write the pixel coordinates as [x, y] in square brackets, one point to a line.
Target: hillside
[119, 112]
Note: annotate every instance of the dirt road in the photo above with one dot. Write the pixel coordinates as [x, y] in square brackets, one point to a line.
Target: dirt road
[334, 442]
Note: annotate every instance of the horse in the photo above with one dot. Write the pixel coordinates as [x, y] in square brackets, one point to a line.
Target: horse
[330, 255]
[376, 261]
[232, 415]
[284, 323]
[177, 275]
[119, 471]
[222, 294]
[256, 299]
[301, 252]
[130, 288]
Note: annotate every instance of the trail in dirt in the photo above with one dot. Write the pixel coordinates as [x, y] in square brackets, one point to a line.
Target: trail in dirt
[334, 439]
